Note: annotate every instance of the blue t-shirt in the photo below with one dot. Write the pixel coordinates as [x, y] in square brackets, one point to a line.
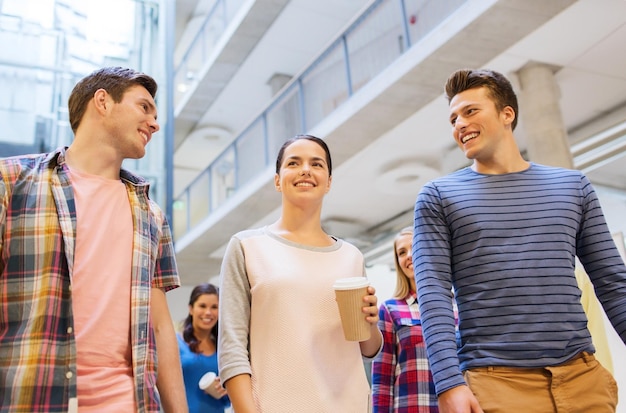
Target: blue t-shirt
[194, 367]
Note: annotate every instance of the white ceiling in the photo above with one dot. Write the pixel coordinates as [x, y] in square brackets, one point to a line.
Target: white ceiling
[373, 191]
[313, 23]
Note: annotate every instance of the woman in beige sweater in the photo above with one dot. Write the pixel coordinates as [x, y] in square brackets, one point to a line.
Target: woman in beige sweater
[281, 345]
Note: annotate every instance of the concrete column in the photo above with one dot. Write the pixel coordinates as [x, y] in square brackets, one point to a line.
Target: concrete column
[540, 113]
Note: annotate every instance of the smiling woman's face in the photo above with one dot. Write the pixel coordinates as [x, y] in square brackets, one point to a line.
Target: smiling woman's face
[303, 171]
[403, 252]
[205, 312]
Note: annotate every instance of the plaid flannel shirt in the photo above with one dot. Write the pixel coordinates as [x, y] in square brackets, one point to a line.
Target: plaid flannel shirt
[37, 236]
[401, 377]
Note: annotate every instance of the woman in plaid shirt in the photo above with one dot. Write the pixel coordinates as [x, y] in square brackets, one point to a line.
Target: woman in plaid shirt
[401, 377]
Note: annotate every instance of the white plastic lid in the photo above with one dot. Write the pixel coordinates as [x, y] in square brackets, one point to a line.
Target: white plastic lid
[206, 380]
[350, 283]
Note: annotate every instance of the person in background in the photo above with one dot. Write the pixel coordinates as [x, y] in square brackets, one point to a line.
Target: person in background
[198, 350]
[85, 260]
[505, 233]
[401, 377]
[281, 346]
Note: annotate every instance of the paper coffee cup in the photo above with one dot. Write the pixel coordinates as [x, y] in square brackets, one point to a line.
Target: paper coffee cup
[207, 383]
[349, 293]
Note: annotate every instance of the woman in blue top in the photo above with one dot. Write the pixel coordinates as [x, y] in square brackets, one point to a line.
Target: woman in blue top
[198, 350]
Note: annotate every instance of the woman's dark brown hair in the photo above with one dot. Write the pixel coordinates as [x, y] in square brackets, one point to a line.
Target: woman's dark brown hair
[320, 142]
[188, 335]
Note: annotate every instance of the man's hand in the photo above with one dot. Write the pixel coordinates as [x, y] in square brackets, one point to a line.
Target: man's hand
[459, 399]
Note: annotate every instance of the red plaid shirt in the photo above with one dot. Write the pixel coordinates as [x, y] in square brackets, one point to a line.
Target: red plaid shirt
[37, 234]
[401, 377]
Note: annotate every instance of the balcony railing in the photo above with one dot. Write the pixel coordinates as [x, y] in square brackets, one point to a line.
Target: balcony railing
[383, 32]
[212, 29]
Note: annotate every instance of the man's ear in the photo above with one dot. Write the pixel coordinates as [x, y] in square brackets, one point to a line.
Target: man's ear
[100, 100]
[508, 115]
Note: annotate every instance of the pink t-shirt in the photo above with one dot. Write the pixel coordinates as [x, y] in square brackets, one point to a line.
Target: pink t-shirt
[101, 281]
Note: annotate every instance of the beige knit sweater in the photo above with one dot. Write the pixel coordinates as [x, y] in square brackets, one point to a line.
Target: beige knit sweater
[277, 300]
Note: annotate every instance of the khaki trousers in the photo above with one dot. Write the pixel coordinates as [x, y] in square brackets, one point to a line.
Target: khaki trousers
[580, 385]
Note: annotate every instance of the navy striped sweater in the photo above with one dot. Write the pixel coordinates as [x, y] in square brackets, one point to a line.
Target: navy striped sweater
[506, 245]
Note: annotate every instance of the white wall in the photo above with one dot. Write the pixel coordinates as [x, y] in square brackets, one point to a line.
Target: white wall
[177, 302]
[383, 278]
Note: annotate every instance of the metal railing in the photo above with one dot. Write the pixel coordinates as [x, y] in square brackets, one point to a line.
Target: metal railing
[375, 39]
[187, 72]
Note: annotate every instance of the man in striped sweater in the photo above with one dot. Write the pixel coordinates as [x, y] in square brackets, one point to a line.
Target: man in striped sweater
[503, 234]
